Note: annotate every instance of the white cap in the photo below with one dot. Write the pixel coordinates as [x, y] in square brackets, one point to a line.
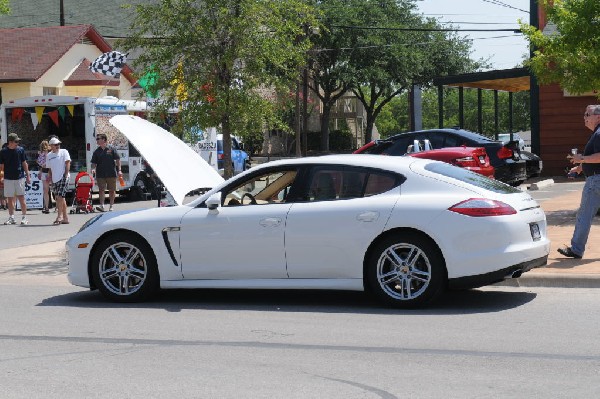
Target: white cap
[54, 140]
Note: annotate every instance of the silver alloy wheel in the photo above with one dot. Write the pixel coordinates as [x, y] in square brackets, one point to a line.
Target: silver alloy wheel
[123, 268]
[403, 271]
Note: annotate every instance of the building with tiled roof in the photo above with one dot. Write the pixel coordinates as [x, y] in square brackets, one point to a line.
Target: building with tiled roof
[54, 60]
[108, 16]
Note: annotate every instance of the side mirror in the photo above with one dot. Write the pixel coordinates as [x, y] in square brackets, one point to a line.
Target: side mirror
[214, 201]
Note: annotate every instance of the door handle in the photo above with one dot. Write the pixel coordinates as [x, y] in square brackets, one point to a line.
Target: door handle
[270, 222]
[369, 216]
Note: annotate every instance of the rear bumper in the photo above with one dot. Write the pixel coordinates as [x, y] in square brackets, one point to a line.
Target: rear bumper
[481, 280]
[511, 172]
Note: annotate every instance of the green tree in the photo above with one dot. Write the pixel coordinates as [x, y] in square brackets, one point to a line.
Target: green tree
[4, 7]
[220, 61]
[330, 70]
[379, 48]
[411, 50]
[569, 56]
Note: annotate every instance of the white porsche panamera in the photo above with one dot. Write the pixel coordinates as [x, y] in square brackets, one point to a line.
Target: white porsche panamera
[403, 228]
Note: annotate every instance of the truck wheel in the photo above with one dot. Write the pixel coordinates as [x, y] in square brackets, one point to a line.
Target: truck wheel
[138, 190]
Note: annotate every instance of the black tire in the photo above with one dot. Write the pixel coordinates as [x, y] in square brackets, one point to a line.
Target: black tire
[408, 284]
[138, 191]
[109, 276]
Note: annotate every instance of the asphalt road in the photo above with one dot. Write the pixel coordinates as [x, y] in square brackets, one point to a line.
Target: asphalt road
[60, 342]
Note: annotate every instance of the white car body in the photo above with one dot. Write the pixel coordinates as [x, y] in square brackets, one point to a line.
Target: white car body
[323, 244]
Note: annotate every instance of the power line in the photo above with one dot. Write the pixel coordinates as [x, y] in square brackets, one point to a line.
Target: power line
[424, 29]
[502, 4]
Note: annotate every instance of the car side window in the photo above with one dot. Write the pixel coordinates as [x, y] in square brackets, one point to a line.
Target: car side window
[399, 147]
[380, 183]
[268, 188]
[436, 139]
[453, 141]
[327, 184]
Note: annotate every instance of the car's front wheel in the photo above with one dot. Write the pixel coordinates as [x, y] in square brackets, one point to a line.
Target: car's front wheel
[124, 268]
[406, 270]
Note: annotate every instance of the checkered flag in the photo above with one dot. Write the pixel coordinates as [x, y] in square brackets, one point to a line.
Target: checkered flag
[109, 64]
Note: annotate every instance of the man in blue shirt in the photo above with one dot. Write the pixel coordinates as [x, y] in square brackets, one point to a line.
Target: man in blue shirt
[589, 164]
[16, 173]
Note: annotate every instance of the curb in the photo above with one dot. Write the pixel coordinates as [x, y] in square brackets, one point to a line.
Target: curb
[553, 280]
[541, 184]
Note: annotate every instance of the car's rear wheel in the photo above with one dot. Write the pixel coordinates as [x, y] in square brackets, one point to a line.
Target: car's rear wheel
[124, 268]
[406, 270]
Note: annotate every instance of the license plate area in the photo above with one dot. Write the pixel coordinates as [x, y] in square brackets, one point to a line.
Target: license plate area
[535, 231]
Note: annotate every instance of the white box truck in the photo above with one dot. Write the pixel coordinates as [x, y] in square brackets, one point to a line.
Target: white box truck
[76, 121]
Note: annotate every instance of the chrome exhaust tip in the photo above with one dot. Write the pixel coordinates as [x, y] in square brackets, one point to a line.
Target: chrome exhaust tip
[515, 274]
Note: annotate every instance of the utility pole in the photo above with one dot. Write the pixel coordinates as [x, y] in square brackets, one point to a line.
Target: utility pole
[62, 13]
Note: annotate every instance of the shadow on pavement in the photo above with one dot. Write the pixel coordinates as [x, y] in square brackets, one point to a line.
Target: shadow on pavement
[454, 302]
[568, 263]
[51, 268]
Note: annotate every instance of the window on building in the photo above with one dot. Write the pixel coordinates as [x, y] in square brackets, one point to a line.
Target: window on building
[49, 91]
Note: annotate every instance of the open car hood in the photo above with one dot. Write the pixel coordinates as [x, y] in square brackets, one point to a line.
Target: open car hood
[179, 167]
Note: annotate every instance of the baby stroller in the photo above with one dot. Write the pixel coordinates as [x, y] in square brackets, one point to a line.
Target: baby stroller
[82, 199]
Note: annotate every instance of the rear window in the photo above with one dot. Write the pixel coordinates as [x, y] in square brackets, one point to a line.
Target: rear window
[473, 178]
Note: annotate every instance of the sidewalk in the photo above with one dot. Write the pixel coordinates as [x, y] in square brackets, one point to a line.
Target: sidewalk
[561, 271]
[45, 263]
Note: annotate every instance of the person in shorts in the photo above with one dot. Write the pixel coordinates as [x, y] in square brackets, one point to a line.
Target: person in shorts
[43, 174]
[106, 167]
[13, 162]
[58, 162]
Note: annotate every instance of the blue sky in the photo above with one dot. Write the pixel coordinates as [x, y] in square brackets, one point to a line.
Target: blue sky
[503, 49]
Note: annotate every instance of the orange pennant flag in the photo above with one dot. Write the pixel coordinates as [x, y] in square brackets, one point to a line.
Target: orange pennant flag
[71, 108]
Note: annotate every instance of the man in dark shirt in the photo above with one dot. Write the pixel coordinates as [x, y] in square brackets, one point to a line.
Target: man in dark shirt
[16, 173]
[106, 166]
[589, 164]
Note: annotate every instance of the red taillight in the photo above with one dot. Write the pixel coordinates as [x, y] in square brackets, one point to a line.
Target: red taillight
[478, 207]
[505, 153]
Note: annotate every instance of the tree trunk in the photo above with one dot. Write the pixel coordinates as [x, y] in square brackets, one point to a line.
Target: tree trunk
[325, 126]
[227, 164]
[369, 127]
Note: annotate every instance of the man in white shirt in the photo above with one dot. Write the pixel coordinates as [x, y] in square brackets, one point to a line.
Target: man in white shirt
[59, 163]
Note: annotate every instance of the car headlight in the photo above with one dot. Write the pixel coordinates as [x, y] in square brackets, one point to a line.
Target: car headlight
[89, 223]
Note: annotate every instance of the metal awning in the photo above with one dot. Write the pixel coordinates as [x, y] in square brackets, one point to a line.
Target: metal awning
[511, 80]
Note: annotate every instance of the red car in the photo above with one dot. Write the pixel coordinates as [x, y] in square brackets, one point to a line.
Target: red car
[472, 158]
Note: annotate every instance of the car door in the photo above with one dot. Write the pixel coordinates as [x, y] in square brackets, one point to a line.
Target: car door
[343, 210]
[244, 238]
